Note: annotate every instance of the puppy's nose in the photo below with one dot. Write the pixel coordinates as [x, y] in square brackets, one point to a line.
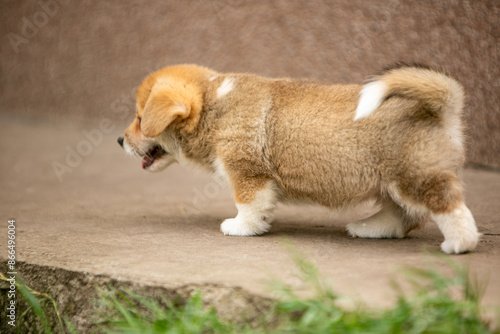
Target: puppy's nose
[120, 141]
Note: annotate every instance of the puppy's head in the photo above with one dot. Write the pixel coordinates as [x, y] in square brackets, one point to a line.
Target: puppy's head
[168, 102]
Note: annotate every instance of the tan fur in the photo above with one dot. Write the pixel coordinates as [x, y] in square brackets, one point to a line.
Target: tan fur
[169, 95]
[301, 135]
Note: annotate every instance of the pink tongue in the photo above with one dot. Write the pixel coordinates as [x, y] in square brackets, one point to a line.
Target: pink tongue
[147, 161]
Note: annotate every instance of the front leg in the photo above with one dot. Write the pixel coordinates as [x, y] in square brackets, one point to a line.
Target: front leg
[255, 199]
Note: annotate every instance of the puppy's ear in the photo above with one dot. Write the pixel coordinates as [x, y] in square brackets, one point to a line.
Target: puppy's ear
[160, 111]
[169, 102]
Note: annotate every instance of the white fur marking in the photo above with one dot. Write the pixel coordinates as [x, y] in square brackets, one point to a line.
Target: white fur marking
[253, 218]
[459, 230]
[371, 97]
[161, 164]
[128, 149]
[212, 78]
[226, 86]
[383, 224]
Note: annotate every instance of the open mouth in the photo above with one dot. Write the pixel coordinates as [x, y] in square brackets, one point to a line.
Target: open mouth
[153, 154]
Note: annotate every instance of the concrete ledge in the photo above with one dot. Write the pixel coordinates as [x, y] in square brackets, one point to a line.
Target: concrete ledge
[76, 294]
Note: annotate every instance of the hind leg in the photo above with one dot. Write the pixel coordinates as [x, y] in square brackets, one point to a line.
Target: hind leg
[459, 229]
[441, 195]
[391, 221]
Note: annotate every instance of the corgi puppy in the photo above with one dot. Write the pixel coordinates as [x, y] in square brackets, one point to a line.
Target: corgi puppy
[397, 139]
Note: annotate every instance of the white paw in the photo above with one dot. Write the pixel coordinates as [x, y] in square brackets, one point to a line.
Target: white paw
[241, 227]
[463, 244]
[373, 230]
[459, 230]
[352, 230]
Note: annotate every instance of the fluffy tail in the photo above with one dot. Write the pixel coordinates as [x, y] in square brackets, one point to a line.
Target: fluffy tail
[439, 93]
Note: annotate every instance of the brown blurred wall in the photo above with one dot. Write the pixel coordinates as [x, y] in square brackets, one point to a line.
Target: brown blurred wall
[82, 59]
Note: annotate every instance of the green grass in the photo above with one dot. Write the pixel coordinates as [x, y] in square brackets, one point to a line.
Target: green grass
[38, 303]
[136, 314]
[438, 303]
